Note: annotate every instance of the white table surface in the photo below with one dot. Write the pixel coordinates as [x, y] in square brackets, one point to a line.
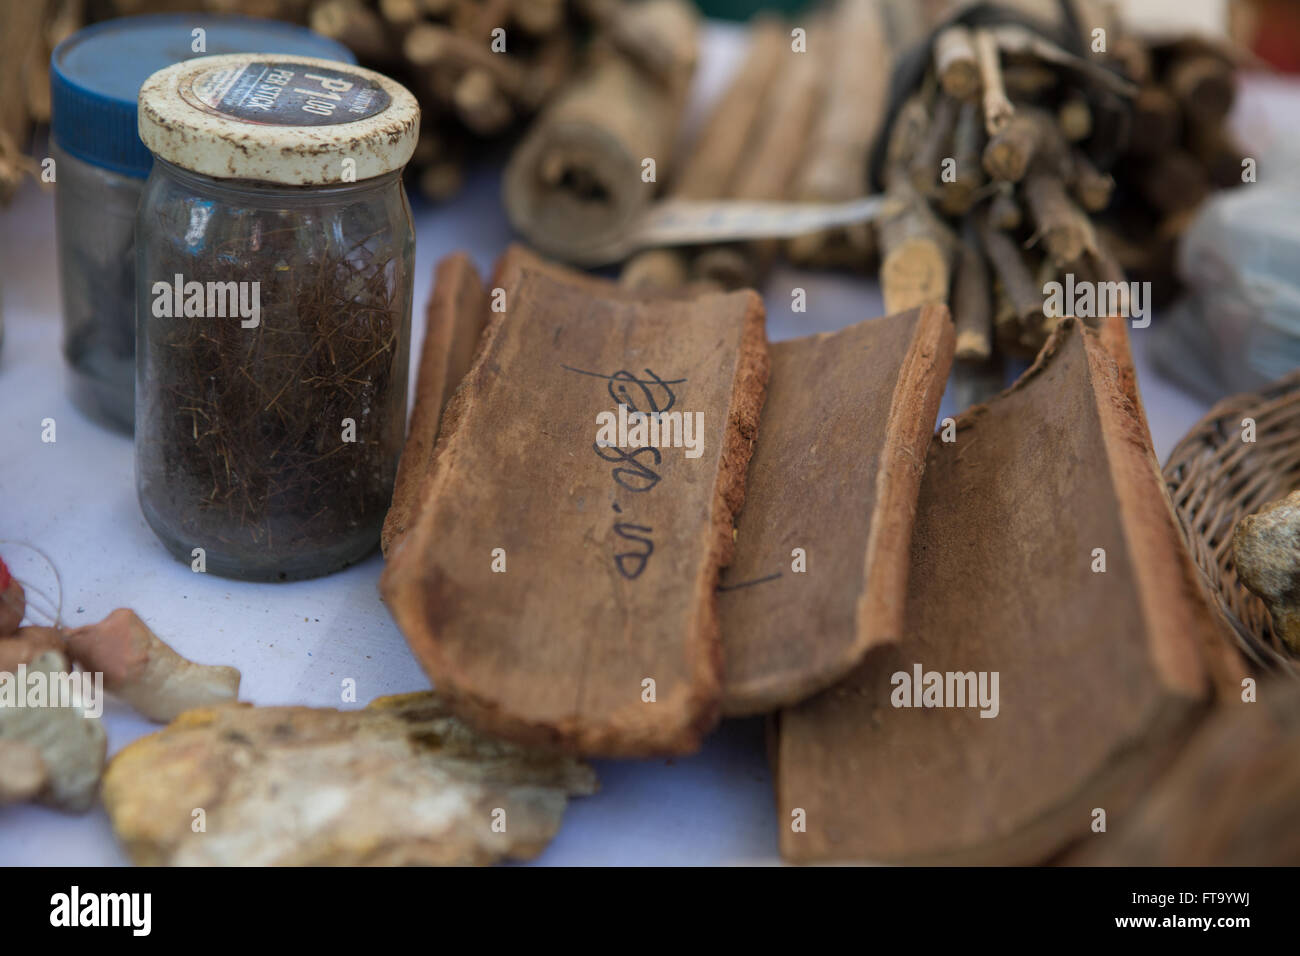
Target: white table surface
[295, 643]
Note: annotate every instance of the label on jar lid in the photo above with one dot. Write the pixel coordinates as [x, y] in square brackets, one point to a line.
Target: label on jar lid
[278, 118]
[286, 94]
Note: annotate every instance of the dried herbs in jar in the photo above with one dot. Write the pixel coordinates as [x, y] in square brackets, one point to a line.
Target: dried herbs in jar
[274, 262]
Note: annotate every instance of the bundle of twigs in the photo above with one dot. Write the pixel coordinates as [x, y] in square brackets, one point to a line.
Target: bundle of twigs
[29, 31]
[480, 68]
[1021, 163]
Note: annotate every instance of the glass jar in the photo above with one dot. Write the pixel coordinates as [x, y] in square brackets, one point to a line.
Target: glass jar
[94, 210]
[100, 167]
[273, 336]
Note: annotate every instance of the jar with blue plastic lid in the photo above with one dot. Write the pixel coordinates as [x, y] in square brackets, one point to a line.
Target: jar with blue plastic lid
[100, 168]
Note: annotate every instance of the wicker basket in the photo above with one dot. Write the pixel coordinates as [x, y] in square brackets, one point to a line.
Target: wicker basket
[1216, 479]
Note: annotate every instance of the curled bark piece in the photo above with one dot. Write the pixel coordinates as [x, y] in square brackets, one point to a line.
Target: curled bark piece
[145, 672]
[1266, 549]
[23, 774]
[454, 322]
[575, 186]
[401, 782]
[71, 745]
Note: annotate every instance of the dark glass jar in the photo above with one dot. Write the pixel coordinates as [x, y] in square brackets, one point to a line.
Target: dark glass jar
[273, 337]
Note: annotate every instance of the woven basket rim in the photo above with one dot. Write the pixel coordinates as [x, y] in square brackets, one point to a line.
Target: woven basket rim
[1214, 479]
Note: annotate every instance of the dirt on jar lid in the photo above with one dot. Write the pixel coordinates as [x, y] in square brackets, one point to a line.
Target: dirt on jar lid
[293, 120]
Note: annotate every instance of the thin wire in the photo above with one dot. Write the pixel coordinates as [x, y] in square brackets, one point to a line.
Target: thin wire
[57, 616]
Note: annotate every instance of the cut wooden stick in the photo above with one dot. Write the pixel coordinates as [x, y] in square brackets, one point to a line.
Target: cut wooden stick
[1065, 229]
[1010, 151]
[937, 145]
[1004, 255]
[835, 162]
[1075, 116]
[1091, 187]
[1004, 211]
[998, 109]
[575, 185]
[710, 169]
[955, 62]
[957, 197]
[769, 165]
[972, 301]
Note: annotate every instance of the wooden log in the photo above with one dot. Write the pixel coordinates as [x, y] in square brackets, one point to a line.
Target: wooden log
[656, 270]
[538, 17]
[427, 45]
[456, 316]
[604, 662]
[835, 162]
[937, 145]
[830, 422]
[1175, 182]
[1075, 116]
[955, 62]
[998, 109]
[1092, 188]
[1009, 153]
[1021, 786]
[480, 103]
[1205, 86]
[1156, 122]
[1004, 211]
[710, 168]
[661, 37]
[1004, 255]
[1065, 229]
[972, 301]
[956, 198]
[916, 248]
[769, 165]
[574, 186]
[355, 25]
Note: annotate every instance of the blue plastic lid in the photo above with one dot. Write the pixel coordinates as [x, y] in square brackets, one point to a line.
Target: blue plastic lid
[96, 74]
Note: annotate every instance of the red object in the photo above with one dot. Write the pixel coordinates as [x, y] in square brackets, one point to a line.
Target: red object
[5, 576]
[1277, 33]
